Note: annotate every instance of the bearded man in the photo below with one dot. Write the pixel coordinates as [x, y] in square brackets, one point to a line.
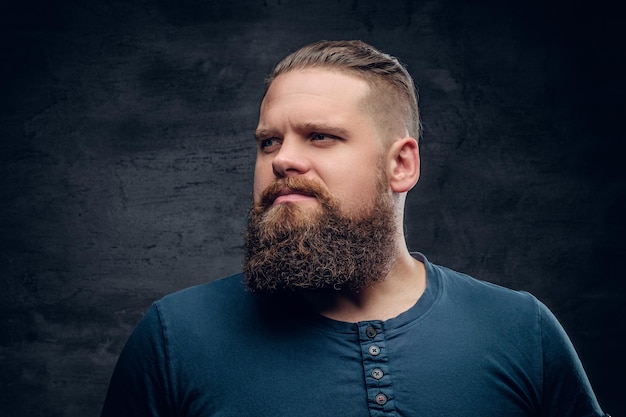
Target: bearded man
[333, 316]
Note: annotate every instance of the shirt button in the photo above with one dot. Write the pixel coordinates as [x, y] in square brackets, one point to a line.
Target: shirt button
[377, 373]
[370, 332]
[381, 399]
[374, 350]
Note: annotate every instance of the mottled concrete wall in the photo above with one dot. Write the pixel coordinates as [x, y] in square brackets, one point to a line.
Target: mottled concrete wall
[126, 164]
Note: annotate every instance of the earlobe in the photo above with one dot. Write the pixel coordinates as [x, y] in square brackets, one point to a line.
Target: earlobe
[403, 165]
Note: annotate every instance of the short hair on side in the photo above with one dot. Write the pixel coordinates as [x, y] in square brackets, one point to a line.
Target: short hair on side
[392, 101]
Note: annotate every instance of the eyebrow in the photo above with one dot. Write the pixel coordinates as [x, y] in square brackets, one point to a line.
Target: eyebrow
[262, 134]
[323, 128]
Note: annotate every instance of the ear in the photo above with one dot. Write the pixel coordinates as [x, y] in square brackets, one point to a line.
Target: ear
[403, 164]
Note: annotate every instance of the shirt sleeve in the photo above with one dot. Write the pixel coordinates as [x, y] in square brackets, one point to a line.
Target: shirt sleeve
[566, 388]
[139, 384]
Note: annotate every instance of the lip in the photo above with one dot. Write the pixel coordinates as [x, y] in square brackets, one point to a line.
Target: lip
[290, 196]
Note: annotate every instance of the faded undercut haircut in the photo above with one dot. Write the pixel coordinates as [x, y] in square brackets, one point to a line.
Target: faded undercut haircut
[392, 100]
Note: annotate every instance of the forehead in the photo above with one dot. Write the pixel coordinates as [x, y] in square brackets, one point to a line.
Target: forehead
[320, 86]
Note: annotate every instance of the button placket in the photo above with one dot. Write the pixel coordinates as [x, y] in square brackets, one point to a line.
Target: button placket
[377, 377]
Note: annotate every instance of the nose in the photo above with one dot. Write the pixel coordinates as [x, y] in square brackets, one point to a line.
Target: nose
[290, 160]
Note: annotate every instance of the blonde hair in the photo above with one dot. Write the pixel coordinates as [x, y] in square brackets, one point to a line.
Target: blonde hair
[392, 101]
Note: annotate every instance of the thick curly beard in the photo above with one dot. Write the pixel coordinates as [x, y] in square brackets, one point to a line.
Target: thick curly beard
[290, 248]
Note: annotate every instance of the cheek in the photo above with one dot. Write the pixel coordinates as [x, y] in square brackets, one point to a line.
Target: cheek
[367, 177]
[356, 189]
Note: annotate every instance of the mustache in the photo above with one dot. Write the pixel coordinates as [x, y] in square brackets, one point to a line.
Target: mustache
[296, 185]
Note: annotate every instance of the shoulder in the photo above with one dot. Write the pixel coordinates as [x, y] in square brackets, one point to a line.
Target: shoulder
[473, 296]
[223, 289]
[455, 281]
[198, 312]
[206, 299]
[216, 306]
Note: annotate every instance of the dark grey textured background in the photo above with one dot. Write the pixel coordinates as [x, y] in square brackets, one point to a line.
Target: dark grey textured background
[126, 163]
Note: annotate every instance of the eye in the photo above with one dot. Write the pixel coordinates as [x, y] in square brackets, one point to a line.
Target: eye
[321, 137]
[318, 136]
[267, 142]
[268, 145]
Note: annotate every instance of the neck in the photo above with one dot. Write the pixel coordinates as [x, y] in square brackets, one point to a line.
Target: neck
[393, 295]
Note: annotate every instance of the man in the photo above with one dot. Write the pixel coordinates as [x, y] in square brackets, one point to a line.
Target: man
[338, 318]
